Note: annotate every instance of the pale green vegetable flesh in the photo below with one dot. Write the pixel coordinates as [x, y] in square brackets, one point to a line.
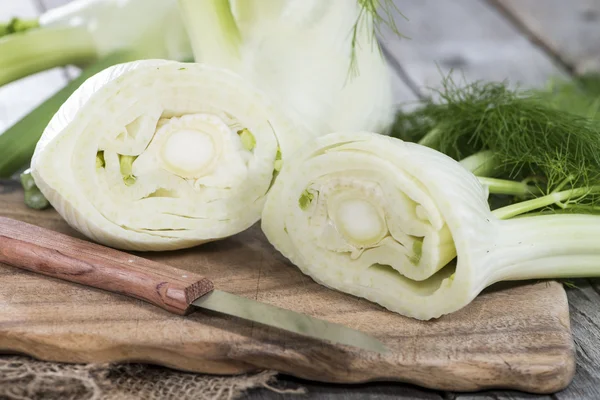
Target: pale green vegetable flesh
[278, 161]
[126, 168]
[248, 140]
[409, 228]
[83, 31]
[147, 156]
[33, 197]
[100, 163]
[300, 53]
[36, 50]
[305, 199]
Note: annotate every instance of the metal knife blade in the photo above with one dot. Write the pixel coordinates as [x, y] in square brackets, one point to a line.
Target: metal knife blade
[288, 320]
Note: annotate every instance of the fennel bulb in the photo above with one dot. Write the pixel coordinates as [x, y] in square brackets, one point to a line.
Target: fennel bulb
[381, 219]
[305, 54]
[157, 155]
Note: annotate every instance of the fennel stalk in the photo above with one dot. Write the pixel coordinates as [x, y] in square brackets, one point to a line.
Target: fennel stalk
[17, 25]
[26, 53]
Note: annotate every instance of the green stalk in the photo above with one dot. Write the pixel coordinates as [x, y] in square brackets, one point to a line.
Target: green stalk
[483, 163]
[508, 187]
[432, 138]
[544, 201]
[543, 247]
[213, 32]
[23, 54]
[17, 143]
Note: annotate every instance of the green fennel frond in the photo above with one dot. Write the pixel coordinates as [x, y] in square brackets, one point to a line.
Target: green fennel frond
[580, 95]
[530, 137]
[375, 14]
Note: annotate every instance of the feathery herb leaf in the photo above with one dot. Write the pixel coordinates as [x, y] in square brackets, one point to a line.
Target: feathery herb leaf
[377, 13]
[528, 133]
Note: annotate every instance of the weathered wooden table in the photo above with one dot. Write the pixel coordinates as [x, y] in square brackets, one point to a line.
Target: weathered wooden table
[524, 41]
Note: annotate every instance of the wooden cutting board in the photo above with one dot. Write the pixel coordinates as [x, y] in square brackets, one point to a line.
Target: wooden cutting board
[512, 336]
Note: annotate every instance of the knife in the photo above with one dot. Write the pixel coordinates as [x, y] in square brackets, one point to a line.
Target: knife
[179, 291]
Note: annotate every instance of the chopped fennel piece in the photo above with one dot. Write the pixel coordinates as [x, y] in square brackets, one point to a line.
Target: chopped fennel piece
[146, 155]
[409, 228]
[33, 197]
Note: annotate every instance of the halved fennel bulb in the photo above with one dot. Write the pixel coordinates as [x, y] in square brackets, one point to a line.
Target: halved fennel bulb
[409, 228]
[156, 155]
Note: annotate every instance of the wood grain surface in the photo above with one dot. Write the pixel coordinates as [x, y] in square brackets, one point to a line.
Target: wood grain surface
[468, 37]
[567, 30]
[517, 336]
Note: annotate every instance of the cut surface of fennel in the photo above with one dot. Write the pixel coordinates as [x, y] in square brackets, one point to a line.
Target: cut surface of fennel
[147, 156]
[409, 228]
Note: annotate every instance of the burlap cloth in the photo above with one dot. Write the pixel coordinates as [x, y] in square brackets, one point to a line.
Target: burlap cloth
[25, 378]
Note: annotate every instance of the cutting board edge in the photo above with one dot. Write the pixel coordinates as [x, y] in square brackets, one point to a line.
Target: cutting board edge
[463, 376]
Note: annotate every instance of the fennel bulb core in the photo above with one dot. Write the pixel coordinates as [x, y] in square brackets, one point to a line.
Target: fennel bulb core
[202, 148]
[359, 221]
[191, 146]
[188, 153]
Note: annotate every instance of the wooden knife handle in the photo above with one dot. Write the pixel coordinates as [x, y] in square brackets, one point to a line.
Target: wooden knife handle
[64, 257]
